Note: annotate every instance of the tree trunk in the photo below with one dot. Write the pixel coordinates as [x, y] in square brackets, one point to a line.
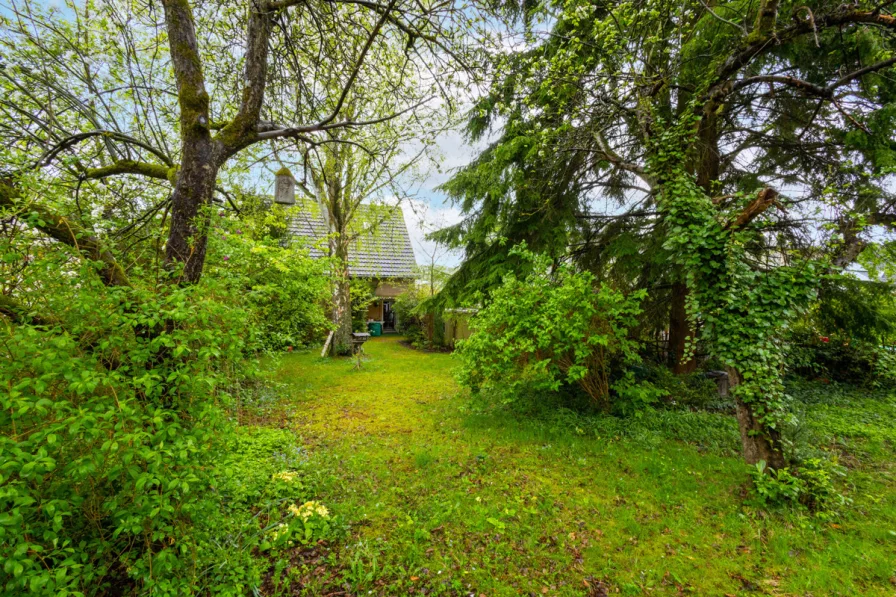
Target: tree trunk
[199, 162]
[342, 302]
[680, 331]
[193, 191]
[759, 442]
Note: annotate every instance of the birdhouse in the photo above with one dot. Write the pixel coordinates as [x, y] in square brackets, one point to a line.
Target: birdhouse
[285, 187]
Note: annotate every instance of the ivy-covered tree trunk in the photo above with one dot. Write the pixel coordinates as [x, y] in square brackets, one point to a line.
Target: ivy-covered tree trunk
[680, 331]
[759, 441]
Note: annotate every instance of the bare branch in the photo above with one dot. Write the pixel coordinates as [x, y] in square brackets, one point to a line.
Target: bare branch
[299, 130]
[709, 9]
[73, 140]
[765, 199]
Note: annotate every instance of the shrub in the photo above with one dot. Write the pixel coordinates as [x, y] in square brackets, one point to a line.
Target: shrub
[840, 358]
[114, 407]
[849, 335]
[285, 291]
[103, 475]
[552, 328]
[809, 486]
[362, 295]
[420, 318]
[410, 321]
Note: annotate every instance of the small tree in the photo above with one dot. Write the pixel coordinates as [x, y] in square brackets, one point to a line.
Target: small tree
[550, 328]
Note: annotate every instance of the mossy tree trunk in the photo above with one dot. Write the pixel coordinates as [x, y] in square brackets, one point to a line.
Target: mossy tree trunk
[342, 303]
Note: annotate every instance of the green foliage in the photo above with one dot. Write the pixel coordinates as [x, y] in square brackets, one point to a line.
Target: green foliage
[103, 484]
[411, 321]
[114, 408]
[810, 486]
[282, 286]
[694, 391]
[420, 317]
[838, 358]
[855, 309]
[549, 329]
[362, 296]
[848, 335]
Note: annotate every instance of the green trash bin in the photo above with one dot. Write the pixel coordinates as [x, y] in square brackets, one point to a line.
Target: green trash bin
[375, 328]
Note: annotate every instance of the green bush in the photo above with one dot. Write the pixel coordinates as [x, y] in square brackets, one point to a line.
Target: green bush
[839, 358]
[849, 335]
[411, 321]
[362, 296]
[285, 291]
[553, 328]
[416, 308]
[810, 486]
[114, 408]
[103, 481]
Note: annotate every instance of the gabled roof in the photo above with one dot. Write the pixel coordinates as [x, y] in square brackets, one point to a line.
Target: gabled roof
[382, 248]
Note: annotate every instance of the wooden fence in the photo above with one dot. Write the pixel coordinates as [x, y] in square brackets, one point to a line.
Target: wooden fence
[457, 325]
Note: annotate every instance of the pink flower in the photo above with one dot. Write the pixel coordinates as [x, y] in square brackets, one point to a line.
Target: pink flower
[221, 213]
[227, 258]
[238, 231]
[825, 339]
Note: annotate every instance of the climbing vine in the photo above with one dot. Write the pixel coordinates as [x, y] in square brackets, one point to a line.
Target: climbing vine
[741, 306]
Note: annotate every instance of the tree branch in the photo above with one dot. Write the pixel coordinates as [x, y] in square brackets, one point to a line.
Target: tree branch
[765, 199]
[68, 142]
[191, 94]
[617, 161]
[18, 313]
[760, 41]
[709, 9]
[242, 129]
[354, 75]
[810, 88]
[299, 130]
[128, 167]
[67, 232]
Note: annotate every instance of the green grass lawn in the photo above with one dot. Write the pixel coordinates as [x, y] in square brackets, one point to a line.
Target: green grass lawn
[436, 497]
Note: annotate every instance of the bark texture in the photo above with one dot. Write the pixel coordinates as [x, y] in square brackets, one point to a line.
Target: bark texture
[342, 306]
[758, 440]
[195, 180]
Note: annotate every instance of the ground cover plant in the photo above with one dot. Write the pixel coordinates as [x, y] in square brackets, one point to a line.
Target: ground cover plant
[447, 496]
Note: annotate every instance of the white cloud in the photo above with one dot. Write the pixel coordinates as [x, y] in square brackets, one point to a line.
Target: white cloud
[422, 218]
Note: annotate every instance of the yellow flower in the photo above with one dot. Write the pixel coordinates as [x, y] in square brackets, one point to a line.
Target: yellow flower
[288, 476]
[306, 510]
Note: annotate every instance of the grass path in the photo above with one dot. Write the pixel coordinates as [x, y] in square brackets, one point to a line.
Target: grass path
[444, 500]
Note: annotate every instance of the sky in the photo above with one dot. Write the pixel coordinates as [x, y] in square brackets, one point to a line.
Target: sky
[431, 209]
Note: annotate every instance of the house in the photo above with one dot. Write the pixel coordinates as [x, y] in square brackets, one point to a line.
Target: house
[380, 250]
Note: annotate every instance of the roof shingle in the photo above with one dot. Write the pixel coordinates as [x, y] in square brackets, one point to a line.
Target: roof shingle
[382, 247]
